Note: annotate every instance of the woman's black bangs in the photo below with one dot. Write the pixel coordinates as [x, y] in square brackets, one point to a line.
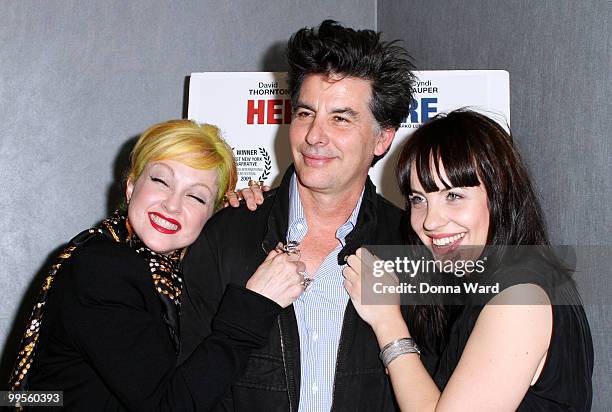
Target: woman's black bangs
[446, 151]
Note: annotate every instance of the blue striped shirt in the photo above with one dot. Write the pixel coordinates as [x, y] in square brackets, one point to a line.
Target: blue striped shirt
[319, 312]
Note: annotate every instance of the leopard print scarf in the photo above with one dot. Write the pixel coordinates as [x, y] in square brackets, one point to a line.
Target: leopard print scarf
[165, 275]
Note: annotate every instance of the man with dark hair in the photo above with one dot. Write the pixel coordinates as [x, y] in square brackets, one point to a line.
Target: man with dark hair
[350, 91]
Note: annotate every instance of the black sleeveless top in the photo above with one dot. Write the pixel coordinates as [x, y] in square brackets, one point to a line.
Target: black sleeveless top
[565, 381]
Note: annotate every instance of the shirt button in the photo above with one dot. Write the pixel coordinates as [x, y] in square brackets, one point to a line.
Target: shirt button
[315, 388]
[299, 226]
[315, 336]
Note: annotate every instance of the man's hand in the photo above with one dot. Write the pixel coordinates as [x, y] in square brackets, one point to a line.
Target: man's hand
[252, 195]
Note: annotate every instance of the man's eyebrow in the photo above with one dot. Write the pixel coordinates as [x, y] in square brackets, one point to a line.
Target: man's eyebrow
[303, 105]
[349, 111]
[346, 110]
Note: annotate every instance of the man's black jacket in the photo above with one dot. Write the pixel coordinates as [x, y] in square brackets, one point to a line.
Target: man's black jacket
[229, 250]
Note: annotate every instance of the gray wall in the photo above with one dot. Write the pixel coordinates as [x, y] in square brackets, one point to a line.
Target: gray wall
[80, 79]
[559, 55]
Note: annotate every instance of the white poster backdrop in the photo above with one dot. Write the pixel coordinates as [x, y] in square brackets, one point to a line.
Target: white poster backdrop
[253, 110]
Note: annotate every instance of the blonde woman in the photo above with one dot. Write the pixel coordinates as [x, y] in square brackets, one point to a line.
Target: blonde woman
[110, 334]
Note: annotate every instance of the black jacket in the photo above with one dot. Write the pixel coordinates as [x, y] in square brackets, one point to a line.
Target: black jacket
[103, 341]
[229, 250]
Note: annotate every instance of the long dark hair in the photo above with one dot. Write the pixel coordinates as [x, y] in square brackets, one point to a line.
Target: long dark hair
[473, 149]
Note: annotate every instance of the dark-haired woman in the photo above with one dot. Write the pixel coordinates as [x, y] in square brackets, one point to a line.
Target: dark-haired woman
[466, 186]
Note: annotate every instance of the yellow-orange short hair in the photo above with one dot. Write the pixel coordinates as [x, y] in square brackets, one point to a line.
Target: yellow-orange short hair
[196, 145]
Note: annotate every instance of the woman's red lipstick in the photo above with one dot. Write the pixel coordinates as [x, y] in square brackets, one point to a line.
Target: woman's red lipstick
[153, 216]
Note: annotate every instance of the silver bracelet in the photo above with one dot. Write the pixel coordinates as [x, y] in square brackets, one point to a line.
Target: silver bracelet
[397, 348]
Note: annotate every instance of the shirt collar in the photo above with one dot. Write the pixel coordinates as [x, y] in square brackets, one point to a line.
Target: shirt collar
[297, 225]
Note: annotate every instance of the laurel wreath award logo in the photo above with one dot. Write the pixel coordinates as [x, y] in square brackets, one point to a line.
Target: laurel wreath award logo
[267, 164]
[253, 163]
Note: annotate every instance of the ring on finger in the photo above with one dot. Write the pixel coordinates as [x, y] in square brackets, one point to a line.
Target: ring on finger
[306, 281]
[258, 183]
[292, 247]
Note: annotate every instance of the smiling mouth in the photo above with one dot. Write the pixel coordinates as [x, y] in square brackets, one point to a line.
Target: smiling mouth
[164, 224]
[447, 242]
[315, 159]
